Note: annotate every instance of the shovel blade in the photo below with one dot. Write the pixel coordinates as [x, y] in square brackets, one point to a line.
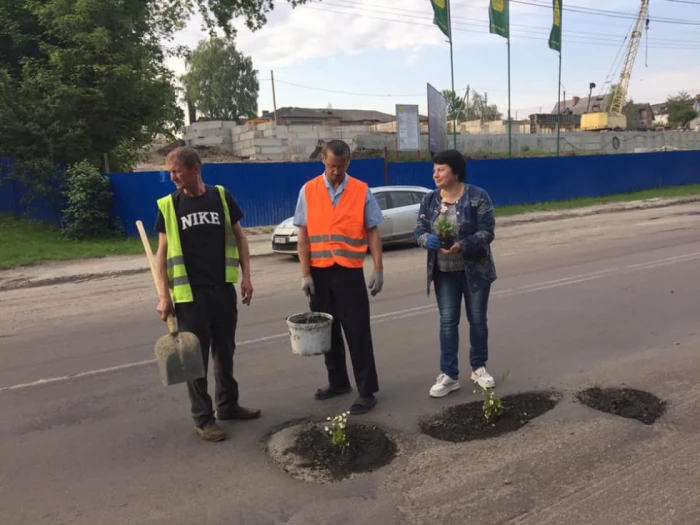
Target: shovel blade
[179, 358]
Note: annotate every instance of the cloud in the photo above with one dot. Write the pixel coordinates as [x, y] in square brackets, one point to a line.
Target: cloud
[339, 27]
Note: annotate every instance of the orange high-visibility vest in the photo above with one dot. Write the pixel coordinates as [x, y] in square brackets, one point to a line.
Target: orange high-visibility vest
[337, 235]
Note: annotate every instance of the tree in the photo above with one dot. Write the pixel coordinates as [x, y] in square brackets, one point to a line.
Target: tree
[82, 79]
[85, 80]
[476, 109]
[680, 110]
[456, 106]
[221, 81]
[479, 108]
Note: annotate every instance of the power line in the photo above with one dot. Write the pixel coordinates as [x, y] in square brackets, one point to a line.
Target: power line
[350, 4]
[608, 13]
[680, 46]
[382, 95]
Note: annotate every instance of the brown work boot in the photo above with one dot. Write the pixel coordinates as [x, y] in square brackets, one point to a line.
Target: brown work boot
[238, 413]
[211, 432]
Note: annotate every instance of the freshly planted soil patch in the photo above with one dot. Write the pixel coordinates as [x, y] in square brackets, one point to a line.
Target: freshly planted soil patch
[369, 448]
[624, 402]
[467, 422]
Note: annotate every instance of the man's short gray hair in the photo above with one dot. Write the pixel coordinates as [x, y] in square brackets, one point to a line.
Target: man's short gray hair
[339, 148]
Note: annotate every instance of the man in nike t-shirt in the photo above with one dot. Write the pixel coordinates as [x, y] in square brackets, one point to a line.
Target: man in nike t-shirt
[201, 251]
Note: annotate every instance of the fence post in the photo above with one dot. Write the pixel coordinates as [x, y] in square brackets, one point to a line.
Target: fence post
[386, 166]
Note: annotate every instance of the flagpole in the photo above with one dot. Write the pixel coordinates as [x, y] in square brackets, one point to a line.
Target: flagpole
[559, 106]
[452, 73]
[510, 122]
[510, 137]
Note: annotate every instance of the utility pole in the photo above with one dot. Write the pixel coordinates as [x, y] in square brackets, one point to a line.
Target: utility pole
[467, 100]
[485, 106]
[274, 99]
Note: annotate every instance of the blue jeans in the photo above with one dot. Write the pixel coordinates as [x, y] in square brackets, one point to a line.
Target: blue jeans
[450, 287]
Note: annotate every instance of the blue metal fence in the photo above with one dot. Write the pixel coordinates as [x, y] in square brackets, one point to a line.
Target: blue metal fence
[267, 192]
[523, 181]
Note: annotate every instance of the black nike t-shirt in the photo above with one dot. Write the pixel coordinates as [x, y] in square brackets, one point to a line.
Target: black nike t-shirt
[202, 235]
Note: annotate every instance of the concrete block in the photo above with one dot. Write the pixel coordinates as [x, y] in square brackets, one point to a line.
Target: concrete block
[214, 124]
[206, 133]
[274, 141]
[248, 135]
[270, 150]
[246, 152]
[208, 141]
[245, 144]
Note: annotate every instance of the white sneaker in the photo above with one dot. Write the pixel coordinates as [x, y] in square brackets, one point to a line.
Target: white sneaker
[482, 378]
[444, 385]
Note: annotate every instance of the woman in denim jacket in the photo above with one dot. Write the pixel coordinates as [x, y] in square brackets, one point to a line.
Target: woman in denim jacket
[464, 269]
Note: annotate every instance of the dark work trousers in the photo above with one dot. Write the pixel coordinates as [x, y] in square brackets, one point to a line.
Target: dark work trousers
[342, 292]
[212, 317]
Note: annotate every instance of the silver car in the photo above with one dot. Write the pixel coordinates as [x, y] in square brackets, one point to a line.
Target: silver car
[399, 205]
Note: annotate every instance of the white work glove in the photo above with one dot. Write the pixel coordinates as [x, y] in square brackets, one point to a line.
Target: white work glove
[307, 285]
[376, 282]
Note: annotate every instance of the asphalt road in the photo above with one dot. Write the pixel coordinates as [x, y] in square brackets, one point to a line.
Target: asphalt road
[89, 436]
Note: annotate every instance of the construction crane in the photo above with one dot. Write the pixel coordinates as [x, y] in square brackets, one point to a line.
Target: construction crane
[614, 118]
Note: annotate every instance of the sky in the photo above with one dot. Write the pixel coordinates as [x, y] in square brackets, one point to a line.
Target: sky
[363, 54]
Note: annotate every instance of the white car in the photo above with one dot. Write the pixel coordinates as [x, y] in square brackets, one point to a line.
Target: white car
[399, 205]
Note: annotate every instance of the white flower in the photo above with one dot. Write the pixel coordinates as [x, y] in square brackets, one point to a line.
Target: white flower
[326, 429]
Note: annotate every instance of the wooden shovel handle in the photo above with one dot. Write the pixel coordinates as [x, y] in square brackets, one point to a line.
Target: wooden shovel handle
[149, 252]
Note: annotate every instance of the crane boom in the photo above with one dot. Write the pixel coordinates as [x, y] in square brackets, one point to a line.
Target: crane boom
[619, 98]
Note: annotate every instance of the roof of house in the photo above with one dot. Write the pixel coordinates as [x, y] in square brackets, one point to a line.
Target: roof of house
[659, 109]
[346, 115]
[582, 104]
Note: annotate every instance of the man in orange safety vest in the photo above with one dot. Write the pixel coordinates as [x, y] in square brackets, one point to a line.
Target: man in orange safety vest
[337, 216]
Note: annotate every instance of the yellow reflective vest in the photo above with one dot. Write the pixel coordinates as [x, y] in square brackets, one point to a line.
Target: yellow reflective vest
[178, 281]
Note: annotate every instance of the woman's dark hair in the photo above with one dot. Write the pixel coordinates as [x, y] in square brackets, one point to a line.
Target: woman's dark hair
[454, 160]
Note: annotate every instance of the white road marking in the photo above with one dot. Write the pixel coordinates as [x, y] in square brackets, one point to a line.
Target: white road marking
[394, 316]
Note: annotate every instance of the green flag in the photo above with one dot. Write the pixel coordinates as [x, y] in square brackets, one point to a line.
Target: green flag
[555, 35]
[442, 16]
[498, 18]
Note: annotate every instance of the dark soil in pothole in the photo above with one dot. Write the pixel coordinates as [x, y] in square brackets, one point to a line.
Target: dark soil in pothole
[369, 448]
[467, 422]
[624, 402]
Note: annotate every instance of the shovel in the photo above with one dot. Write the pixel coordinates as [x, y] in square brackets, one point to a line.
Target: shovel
[179, 355]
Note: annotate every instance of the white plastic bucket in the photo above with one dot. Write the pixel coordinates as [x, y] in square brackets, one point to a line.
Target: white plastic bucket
[310, 338]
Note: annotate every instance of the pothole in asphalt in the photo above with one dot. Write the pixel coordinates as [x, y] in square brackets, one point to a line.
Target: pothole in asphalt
[306, 452]
[467, 422]
[624, 402]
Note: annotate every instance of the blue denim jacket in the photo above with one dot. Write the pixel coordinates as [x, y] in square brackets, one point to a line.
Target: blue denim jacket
[477, 223]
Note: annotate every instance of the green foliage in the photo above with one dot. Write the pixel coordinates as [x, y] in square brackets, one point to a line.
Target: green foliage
[476, 108]
[445, 229]
[221, 81]
[456, 106]
[87, 79]
[84, 79]
[680, 110]
[493, 404]
[89, 199]
[336, 430]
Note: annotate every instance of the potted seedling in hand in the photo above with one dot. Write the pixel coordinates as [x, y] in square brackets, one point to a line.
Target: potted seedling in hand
[446, 233]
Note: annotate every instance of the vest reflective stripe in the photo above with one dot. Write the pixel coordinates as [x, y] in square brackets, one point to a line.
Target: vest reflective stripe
[319, 254]
[336, 235]
[339, 238]
[231, 260]
[178, 281]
